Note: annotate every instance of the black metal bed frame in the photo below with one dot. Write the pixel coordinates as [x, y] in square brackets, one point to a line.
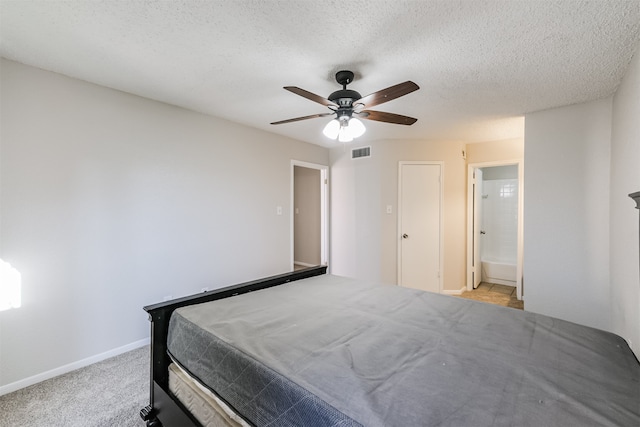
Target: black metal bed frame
[164, 408]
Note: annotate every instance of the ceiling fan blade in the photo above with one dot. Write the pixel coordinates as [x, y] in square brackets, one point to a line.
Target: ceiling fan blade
[312, 96]
[297, 119]
[381, 116]
[388, 94]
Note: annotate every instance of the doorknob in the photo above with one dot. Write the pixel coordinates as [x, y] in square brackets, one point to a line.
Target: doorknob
[405, 236]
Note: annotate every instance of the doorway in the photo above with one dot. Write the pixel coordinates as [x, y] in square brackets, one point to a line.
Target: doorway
[495, 225]
[419, 225]
[308, 214]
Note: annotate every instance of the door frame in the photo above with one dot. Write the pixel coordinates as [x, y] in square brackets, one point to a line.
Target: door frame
[470, 218]
[399, 228]
[476, 268]
[324, 229]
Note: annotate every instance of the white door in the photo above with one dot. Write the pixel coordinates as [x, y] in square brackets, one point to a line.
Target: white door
[419, 226]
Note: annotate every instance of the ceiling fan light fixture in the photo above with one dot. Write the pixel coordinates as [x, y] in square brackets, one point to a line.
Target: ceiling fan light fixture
[356, 127]
[345, 129]
[332, 129]
[345, 135]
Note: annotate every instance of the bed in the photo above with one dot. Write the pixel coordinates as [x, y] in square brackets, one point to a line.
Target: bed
[311, 349]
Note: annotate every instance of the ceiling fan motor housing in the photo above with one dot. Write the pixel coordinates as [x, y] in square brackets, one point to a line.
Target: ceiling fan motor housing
[344, 97]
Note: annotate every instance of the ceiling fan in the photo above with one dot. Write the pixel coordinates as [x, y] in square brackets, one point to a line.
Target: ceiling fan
[348, 105]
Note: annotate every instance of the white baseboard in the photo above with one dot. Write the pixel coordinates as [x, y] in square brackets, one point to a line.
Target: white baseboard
[26, 382]
[454, 292]
[304, 264]
[495, 281]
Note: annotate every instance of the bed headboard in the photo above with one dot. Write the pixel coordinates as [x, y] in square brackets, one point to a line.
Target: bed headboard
[161, 405]
[159, 314]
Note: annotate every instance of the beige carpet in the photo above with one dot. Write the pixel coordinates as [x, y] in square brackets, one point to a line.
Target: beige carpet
[495, 294]
[106, 394]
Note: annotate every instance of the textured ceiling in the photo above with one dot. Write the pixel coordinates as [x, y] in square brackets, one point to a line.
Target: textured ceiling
[480, 64]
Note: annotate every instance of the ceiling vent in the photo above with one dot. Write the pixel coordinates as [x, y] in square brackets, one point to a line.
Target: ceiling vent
[357, 153]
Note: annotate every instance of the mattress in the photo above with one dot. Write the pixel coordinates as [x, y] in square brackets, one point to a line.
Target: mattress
[332, 351]
[206, 407]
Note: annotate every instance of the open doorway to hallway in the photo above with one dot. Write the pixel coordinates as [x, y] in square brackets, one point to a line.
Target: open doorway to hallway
[308, 213]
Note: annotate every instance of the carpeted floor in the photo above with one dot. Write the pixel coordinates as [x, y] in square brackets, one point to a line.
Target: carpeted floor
[106, 394]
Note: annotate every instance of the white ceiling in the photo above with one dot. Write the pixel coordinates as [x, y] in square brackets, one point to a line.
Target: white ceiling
[480, 64]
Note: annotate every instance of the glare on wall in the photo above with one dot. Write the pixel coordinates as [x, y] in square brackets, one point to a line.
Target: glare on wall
[9, 286]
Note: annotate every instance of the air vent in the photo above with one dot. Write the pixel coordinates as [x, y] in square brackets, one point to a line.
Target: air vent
[357, 153]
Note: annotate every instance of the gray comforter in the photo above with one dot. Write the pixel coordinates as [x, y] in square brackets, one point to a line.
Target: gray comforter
[331, 351]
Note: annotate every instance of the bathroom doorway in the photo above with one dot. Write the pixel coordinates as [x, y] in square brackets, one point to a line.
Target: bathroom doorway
[494, 228]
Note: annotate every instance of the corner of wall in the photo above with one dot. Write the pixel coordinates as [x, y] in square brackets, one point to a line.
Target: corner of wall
[624, 224]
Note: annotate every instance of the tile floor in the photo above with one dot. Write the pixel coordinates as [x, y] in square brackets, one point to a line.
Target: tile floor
[495, 294]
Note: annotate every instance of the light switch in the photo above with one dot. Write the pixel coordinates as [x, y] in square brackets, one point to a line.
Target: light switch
[389, 209]
[279, 210]
[297, 211]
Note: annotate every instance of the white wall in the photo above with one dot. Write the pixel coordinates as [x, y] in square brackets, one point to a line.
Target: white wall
[364, 237]
[566, 213]
[111, 202]
[493, 151]
[625, 179]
